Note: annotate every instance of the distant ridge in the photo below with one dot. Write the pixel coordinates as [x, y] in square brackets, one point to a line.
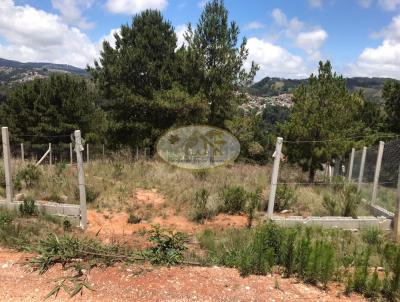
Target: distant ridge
[270, 86]
[42, 65]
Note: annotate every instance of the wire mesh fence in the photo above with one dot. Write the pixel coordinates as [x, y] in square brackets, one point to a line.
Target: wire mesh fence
[386, 186]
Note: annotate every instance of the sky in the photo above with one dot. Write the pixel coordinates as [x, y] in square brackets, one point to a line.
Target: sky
[287, 38]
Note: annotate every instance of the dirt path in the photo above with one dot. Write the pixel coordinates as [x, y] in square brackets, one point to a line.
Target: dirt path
[121, 283]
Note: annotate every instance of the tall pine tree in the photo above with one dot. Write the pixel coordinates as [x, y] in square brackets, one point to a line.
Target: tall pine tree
[325, 117]
[214, 63]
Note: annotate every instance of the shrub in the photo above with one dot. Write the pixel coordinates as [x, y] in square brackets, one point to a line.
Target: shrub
[253, 203]
[91, 194]
[29, 175]
[285, 197]
[5, 219]
[133, 219]
[28, 207]
[372, 236]
[168, 246]
[343, 200]
[201, 212]
[67, 226]
[234, 199]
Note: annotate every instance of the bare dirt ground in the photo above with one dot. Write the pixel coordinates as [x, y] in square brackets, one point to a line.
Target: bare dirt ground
[122, 283]
[147, 283]
[150, 203]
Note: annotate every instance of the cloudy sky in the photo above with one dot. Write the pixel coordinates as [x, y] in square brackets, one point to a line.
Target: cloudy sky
[286, 38]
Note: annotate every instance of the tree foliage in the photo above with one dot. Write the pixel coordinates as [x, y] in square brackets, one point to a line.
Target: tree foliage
[391, 94]
[213, 64]
[326, 116]
[53, 107]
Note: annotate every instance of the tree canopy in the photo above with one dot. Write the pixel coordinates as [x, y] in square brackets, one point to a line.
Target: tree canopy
[53, 107]
[324, 120]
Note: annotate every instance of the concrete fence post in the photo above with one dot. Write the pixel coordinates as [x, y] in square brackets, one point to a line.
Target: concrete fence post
[362, 165]
[22, 152]
[50, 155]
[70, 154]
[81, 179]
[377, 172]
[87, 153]
[353, 151]
[274, 178]
[7, 164]
[397, 216]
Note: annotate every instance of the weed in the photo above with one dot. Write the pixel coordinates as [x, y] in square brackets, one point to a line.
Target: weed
[253, 203]
[133, 219]
[67, 226]
[29, 175]
[285, 197]
[201, 212]
[234, 199]
[342, 201]
[168, 246]
[28, 207]
[91, 194]
[201, 174]
[5, 219]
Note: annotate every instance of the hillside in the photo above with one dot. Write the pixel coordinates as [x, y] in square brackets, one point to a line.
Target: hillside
[12, 72]
[371, 87]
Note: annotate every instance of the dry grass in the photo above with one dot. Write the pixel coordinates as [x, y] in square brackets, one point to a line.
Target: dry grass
[116, 180]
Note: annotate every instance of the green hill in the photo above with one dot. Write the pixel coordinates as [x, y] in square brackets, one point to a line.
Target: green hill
[371, 87]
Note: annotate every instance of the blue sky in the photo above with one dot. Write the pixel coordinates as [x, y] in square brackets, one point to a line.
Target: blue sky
[286, 38]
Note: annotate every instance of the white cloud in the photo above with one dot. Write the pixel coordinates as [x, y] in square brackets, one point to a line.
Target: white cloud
[35, 35]
[315, 3]
[389, 5]
[71, 11]
[311, 42]
[134, 6]
[254, 25]
[274, 60]
[180, 32]
[384, 60]
[291, 27]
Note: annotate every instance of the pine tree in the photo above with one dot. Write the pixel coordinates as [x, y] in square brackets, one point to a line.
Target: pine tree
[213, 63]
[325, 115]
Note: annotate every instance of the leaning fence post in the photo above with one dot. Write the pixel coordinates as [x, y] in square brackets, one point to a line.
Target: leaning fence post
[377, 172]
[397, 216]
[362, 165]
[81, 179]
[87, 153]
[22, 152]
[70, 153]
[353, 151]
[50, 155]
[7, 164]
[274, 179]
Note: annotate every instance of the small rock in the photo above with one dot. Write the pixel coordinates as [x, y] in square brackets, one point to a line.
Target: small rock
[19, 197]
[4, 265]
[285, 211]
[247, 287]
